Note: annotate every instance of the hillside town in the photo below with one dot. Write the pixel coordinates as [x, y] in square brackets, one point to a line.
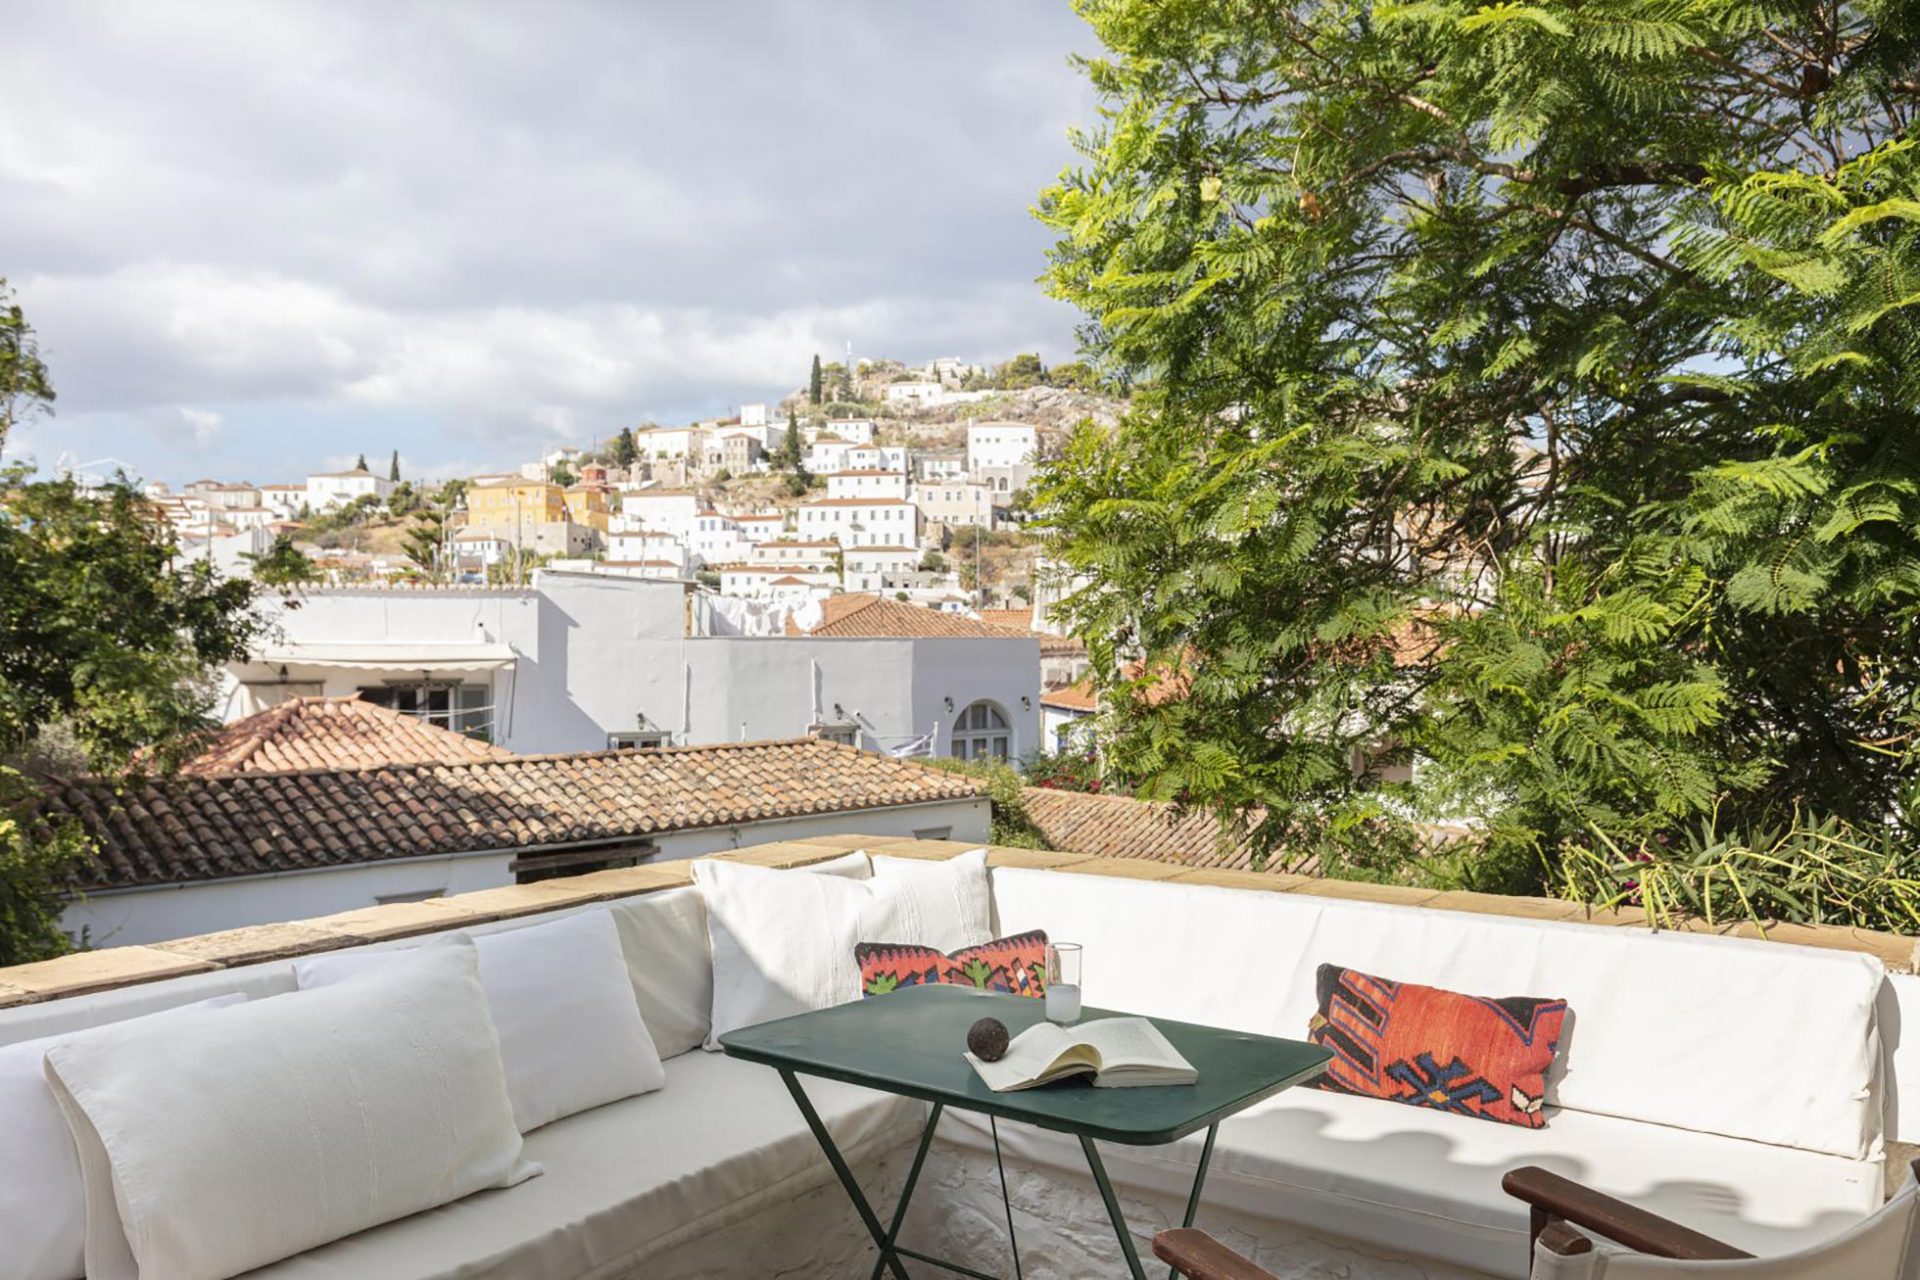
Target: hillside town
[849, 563]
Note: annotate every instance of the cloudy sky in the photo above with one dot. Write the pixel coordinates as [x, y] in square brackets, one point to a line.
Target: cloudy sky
[257, 239]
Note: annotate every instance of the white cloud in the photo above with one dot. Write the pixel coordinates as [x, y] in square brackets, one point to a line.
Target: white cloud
[513, 220]
[202, 425]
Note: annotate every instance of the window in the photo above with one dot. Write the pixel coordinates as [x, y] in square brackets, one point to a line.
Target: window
[463, 708]
[631, 741]
[982, 733]
[846, 733]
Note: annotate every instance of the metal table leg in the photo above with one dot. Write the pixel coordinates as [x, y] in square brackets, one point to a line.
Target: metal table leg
[1112, 1201]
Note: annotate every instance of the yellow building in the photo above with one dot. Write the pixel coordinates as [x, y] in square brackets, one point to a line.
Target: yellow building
[513, 508]
[589, 504]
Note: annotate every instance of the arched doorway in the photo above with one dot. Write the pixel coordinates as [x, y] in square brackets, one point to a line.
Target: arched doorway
[982, 733]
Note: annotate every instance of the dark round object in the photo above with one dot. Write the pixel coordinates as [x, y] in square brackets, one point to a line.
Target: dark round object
[988, 1039]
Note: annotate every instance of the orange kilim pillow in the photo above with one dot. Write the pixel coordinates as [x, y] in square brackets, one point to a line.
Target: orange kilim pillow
[1017, 965]
[1431, 1048]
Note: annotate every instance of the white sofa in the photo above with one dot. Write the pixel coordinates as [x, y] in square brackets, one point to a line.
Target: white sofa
[1735, 1086]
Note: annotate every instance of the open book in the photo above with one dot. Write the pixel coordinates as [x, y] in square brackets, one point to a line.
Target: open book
[1119, 1053]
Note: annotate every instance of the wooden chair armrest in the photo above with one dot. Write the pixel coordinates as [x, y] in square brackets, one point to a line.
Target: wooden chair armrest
[1198, 1256]
[1556, 1198]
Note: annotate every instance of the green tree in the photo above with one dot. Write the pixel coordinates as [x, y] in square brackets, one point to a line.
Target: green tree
[814, 382]
[790, 453]
[25, 388]
[625, 451]
[283, 565]
[1021, 372]
[562, 474]
[108, 638]
[360, 463]
[1074, 375]
[424, 541]
[393, 467]
[1533, 387]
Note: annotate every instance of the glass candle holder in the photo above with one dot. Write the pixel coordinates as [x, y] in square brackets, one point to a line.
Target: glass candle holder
[1063, 982]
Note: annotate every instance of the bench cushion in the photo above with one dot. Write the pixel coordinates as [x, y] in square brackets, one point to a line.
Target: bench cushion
[1662, 1028]
[1426, 1184]
[628, 1180]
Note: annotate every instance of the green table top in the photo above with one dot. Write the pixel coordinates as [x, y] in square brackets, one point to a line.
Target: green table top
[909, 1042]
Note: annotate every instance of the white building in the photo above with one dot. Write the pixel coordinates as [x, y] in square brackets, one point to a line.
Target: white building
[915, 394]
[755, 415]
[852, 430]
[331, 489]
[828, 454]
[776, 583]
[880, 568]
[963, 504]
[791, 552]
[562, 664]
[1000, 444]
[642, 545]
[284, 500]
[761, 526]
[939, 464]
[670, 511]
[868, 483]
[667, 443]
[861, 522]
[478, 550]
[715, 539]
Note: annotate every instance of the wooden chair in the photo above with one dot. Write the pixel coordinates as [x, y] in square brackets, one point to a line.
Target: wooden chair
[1566, 1216]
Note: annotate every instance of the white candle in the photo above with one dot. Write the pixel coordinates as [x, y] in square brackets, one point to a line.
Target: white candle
[1063, 1002]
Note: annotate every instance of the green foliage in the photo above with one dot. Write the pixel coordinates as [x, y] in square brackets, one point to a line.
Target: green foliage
[562, 475]
[814, 381]
[25, 388]
[37, 867]
[360, 463]
[107, 639]
[1074, 375]
[625, 451]
[393, 467]
[1533, 388]
[425, 542]
[283, 565]
[1006, 790]
[1808, 871]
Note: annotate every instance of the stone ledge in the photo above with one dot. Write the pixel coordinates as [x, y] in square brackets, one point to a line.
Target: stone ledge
[85, 972]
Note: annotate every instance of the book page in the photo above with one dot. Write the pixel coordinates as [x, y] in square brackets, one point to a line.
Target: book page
[1130, 1042]
[1029, 1057]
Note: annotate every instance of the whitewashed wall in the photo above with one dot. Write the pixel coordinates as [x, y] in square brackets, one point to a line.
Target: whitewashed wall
[597, 650]
[155, 915]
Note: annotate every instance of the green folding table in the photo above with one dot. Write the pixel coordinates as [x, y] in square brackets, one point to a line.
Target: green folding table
[909, 1043]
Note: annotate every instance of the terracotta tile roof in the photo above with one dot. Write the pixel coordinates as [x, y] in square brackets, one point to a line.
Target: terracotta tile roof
[332, 733]
[861, 613]
[1119, 826]
[155, 831]
[1021, 618]
[1075, 697]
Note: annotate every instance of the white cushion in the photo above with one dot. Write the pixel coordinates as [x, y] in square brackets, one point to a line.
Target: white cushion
[953, 893]
[43, 1204]
[571, 1035]
[629, 1181]
[1415, 1182]
[664, 936]
[783, 941]
[214, 1141]
[1663, 1027]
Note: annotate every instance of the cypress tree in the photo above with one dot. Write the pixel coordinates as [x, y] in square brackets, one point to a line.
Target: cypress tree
[813, 381]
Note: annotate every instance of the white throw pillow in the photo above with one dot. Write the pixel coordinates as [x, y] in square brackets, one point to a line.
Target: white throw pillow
[665, 938]
[571, 1035]
[43, 1204]
[215, 1141]
[783, 941]
[953, 899]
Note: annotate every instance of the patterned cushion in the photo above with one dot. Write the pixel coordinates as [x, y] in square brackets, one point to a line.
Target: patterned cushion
[1431, 1048]
[1017, 964]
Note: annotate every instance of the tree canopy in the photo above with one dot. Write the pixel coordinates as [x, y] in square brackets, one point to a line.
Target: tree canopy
[1531, 388]
[25, 388]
